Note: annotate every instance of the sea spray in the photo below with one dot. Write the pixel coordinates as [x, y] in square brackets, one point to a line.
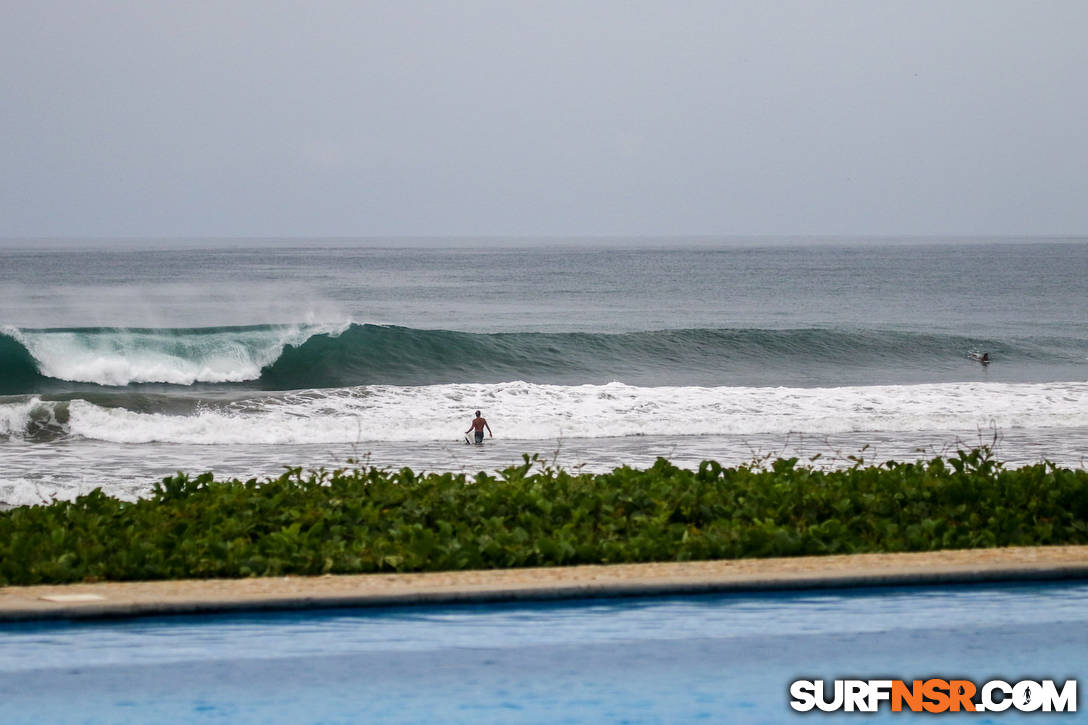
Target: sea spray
[124, 356]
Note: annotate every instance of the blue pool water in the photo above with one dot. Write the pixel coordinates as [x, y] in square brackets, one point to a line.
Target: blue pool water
[714, 658]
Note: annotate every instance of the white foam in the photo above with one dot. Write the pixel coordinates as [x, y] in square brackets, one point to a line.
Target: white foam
[519, 410]
[15, 416]
[42, 489]
[120, 357]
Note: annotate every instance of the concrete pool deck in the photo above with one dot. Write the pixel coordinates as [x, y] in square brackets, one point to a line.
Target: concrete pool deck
[133, 599]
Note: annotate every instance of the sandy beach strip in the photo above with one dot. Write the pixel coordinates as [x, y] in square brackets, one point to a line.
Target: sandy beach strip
[133, 599]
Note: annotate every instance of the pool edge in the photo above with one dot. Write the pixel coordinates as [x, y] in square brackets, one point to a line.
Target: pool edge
[139, 599]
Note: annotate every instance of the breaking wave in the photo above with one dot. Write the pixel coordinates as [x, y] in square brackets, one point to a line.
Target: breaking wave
[292, 357]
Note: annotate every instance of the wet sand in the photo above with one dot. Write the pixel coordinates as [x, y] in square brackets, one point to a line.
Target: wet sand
[128, 599]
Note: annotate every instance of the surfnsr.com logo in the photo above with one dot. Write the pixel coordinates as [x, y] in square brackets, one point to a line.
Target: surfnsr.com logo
[933, 695]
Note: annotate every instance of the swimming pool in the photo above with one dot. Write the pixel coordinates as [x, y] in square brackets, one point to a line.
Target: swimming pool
[716, 658]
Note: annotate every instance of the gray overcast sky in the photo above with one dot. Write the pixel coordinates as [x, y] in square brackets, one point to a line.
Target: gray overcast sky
[589, 117]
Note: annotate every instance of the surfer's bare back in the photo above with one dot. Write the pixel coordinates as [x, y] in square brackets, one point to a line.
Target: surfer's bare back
[478, 425]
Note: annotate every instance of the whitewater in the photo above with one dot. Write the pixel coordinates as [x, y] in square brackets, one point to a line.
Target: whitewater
[590, 356]
[534, 412]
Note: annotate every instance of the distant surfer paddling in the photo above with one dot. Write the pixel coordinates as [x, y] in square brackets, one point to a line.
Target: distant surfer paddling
[478, 425]
[984, 358]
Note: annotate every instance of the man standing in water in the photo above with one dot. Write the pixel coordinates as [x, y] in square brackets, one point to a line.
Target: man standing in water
[478, 425]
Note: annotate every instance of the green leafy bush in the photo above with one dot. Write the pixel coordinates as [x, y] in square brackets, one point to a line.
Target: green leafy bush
[372, 520]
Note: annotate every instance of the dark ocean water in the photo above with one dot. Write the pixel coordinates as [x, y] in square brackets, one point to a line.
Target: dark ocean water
[120, 364]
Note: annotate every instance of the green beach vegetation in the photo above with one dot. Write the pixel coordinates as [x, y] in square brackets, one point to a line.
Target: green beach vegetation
[365, 519]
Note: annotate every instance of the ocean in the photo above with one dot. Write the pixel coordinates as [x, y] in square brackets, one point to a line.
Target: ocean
[122, 362]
